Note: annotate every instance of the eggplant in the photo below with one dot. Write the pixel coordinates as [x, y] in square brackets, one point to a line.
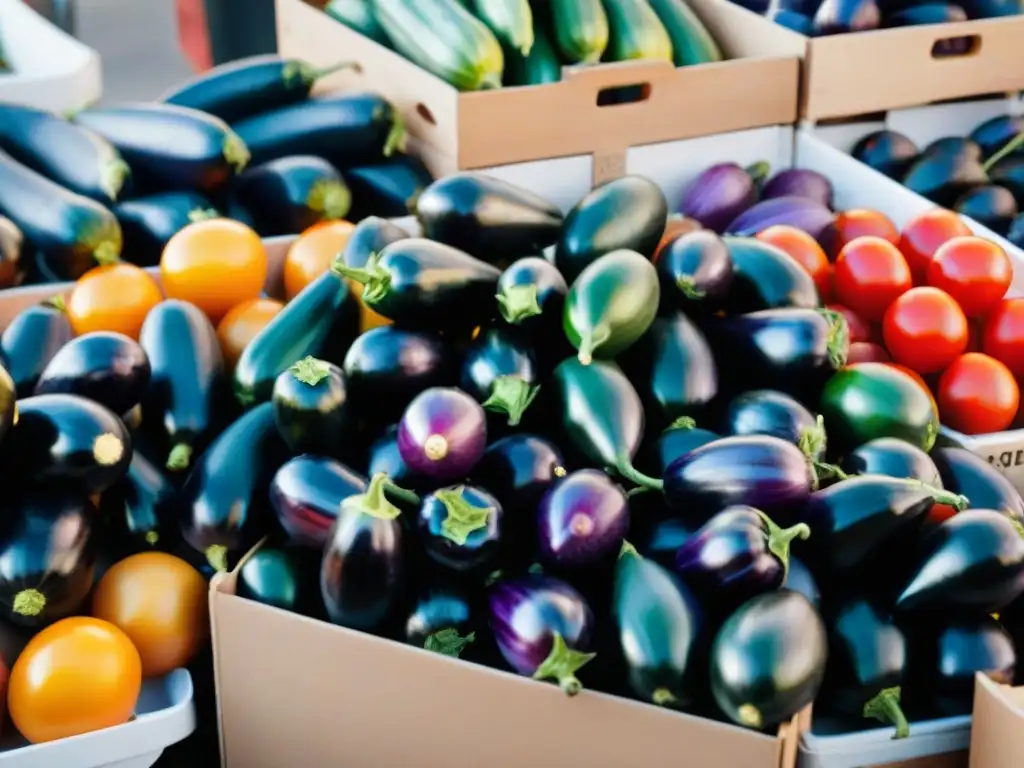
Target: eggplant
[370, 236]
[531, 295]
[1016, 232]
[628, 213]
[582, 520]
[107, 367]
[488, 218]
[421, 284]
[321, 321]
[362, 575]
[289, 195]
[347, 129]
[388, 189]
[602, 416]
[800, 579]
[270, 576]
[954, 145]
[895, 458]
[31, 340]
[461, 528]
[306, 494]
[169, 147]
[223, 512]
[777, 630]
[658, 624]
[798, 22]
[991, 206]
[805, 214]
[542, 627]
[695, 272]
[837, 17]
[888, 152]
[766, 277]
[16, 254]
[995, 133]
[736, 555]
[74, 157]
[441, 619]
[973, 562]
[187, 367]
[800, 182]
[943, 174]
[985, 486]
[673, 370]
[721, 193]
[311, 408]
[767, 412]
[442, 434]
[384, 456]
[1009, 172]
[990, 9]
[67, 441]
[501, 373]
[148, 223]
[611, 304]
[678, 439]
[138, 509]
[48, 545]
[661, 539]
[762, 472]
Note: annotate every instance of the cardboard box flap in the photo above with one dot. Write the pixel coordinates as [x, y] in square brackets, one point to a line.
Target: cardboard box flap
[997, 732]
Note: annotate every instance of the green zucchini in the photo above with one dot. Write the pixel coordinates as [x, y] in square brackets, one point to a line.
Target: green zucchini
[510, 20]
[540, 67]
[636, 32]
[445, 39]
[581, 30]
[358, 15]
[691, 41]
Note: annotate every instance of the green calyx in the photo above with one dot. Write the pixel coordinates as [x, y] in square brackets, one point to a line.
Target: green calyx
[838, 342]
[812, 444]
[562, 664]
[448, 642]
[202, 214]
[57, 302]
[107, 253]
[886, 707]
[310, 371]
[235, 152]
[375, 279]
[396, 138]
[113, 176]
[1007, 149]
[518, 302]
[511, 395]
[683, 422]
[628, 550]
[463, 518]
[29, 602]
[152, 538]
[179, 457]
[759, 171]
[689, 288]
[374, 501]
[303, 74]
[217, 557]
[942, 496]
[779, 538]
[624, 466]
[402, 494]
[663, 697]
[330, 198]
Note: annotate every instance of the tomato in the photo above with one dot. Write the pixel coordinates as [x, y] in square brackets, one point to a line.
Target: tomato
[1002, 335]
[923, 236]
[939, 514]
[974, 271]
[868, 276]
[215, 264]
[241, 325]
[313, 253]
[76, 676]
[116, 297]
[867, 352]
[806, 251]
[676, 226]
[925, 330]
[857, 327]
[978, 395]
[861, 222]
[159, 601]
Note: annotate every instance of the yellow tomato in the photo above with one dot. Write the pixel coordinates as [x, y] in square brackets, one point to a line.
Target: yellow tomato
[241, 325]
[313, 253]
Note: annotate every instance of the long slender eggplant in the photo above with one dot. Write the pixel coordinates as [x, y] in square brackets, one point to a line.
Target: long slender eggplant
[777, 630]
[487, 217]
[270, 576]
[501, 372]
[187, 365]
[306, 494]
[311, 408]
[543, 627]
[896, 458]
[442, 434]
[968, 474]
[695, 271]
[149, 222]
[582, 520]
[362, 575]
[461, 528]
[138, 509]
[765, 277]
[531, 294]
[442, 619]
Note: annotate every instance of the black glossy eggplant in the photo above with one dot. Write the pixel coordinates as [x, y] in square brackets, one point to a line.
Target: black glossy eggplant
[107, 367]
[311, 408]
[627, 213]
[543, 628]
[659, 623]
[388, 189]
[800, 182]
[531, 295]
[31, 340]
[972, 563]
[767, 412]
[138, 509]
[762, 472]
[187, 368]
[968, 474]
[800, 579]
[660, 539]
[765, 277]
[944, 173]
[271, 577]
[1009, 172]
[888, 152]
[487, 217]
[836, 17]
[895, 458]
[681, 437]
[361, 578]
[442, 619]
[321, 321]
[421, 284]
[17, 254]
[995, 133]
[223, 507]
[67, 441]
[695, 271]
[582, 520]
[148, 223]
[1016, 233]
[501, 373]
[385, 457]
[773, 631]
[442, 434]
[462, 528]
[793, 20]
[289, 195]
[990, 205]
[370, 236]
[306, 494]
[48, 545]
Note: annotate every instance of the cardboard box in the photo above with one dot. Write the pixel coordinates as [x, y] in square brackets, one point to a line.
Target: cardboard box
[997, 739]
[456, 131]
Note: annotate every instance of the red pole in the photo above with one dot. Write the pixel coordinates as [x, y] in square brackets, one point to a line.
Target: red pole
[193, 36]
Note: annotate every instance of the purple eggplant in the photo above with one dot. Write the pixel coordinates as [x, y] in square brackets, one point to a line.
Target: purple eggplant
[461, 528]
[306, 494]
[721, 193]
[762, 472]
[500, 372]
[800, 182]
[441, 620]
[809, 215]
[836, 17]
[543, 627]
[519, 469]
[442, 434]
[767, 412]
[582, 520]
[695, 271]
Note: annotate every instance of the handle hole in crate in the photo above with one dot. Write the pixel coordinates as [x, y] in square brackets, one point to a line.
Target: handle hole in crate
[623, 94]
[956, 47]
[424, 111]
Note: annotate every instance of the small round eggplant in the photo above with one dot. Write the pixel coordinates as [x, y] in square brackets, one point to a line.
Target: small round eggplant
[721, 193]
[384, 456]
[442, 434]
[362, 573]
[542, 627]
[28, 344]
[695, 271]
[582, 520]
[888, 152]
[985, 486]
[137, 509]
[992, 135]
[893, 457]
[311, 408]
[306, 494]
[531, 294]
[110, 368]
[501, 373]
[800, 182]
[270, 577]
[519, 469]
[775, 631]
[441, 620]
[461, 528]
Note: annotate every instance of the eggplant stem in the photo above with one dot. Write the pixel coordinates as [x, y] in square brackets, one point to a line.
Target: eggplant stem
[511, 395]
[463, 518]
[812, 440]
[113, 177]
[750, 716]
[202, 214]
[838, 342]
[689, 288]
[562, 664]
[107, 253]
[179, 457]
[886, 707]
[590, 343]
[151, 538]
[1007, 149]
[492, 578]
[310, 371]
[331, 198]
[518, 302]
[373, 501]
[780, 539]
[663, 697]
[29, 602]
[57, 302]
[823, 468]
[1017, 527]
[217, 557]
[629, 472]
[402, 494]
[759, 171]
[306, 74]
[396, 136]
[637, 491]
[448, 642]
[942, 496]
[536, 569]
[628, 549]
[683, 422]
[235, 152]
[376, 280]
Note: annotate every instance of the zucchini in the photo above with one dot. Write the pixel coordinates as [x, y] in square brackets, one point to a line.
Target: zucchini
[445, 39]
[581, 30]
[540, 67]
[511, 21]
[691, 41]
[636, 32]
[358, 15]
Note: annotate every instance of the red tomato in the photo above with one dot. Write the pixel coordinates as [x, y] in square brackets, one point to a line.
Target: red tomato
[869, 275]
[973, 271]
[923, 236]
[978, 395]
[925, 330]
[860, 222]
[806, 251]
[866, 352]
[858, 328]
[1002, 335]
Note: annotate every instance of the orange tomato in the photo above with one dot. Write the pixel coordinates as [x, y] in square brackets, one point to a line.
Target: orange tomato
[159, 601]
[76, 676]
[313, 253]
[215, 264]
[861, 222]
[241, 325]
[114, 297]
[806, 251]
[675, 227]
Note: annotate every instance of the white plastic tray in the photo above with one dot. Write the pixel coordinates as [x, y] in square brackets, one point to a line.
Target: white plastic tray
[877, 747]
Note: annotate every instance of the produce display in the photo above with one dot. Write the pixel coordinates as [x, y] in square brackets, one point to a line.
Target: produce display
[482, 44]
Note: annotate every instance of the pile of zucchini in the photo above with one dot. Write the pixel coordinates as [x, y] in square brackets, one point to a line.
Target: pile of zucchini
[482, 44]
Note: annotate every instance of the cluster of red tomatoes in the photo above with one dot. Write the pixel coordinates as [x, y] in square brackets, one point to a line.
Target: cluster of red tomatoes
[930, 299]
